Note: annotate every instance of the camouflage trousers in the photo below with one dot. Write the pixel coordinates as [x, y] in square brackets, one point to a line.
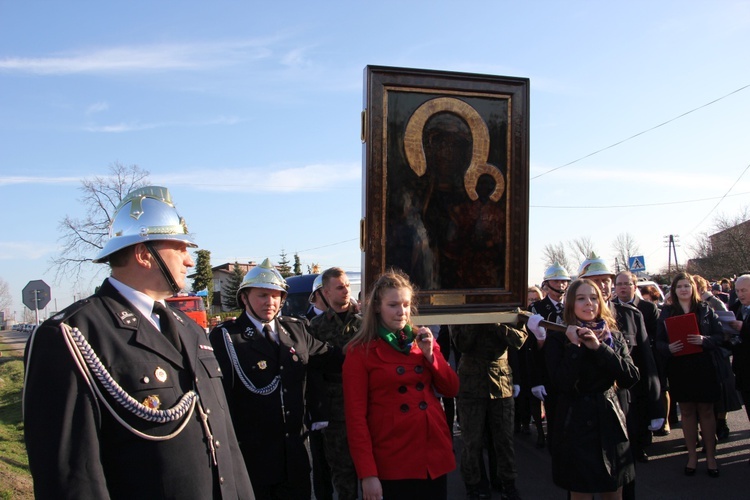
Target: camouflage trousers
[495, 417]
[339, 459]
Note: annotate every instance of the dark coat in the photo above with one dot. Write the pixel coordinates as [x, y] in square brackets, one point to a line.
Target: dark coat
[741, 351]
[271, 434]
[76, 447]
[647, 391]
[591, 452]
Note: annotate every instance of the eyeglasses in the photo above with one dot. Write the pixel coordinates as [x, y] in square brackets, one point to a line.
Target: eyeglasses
[627, 283]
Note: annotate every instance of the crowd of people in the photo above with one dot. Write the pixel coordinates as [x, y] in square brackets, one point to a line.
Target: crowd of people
[125, 397]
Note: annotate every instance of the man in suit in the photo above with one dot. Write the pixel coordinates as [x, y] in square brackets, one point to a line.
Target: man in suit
[123, 397]
[265, 358]
[741, 350]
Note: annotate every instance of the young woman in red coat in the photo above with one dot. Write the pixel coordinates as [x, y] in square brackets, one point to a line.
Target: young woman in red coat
[396, 427]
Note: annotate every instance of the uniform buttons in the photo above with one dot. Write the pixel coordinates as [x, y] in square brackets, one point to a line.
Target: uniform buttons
[145, 380]
[400, 370]
[196, 380]
[221, 480]
[404, 408]
[218, 369]
[402, 389]
[288, 412]
[284, 390]
[217, 444]
[281, 368]
[286, 435]
[423, 405]
[419, 368]
[420, 386]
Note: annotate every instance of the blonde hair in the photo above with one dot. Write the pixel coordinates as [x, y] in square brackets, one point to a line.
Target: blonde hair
[569, 315]
[392, 279]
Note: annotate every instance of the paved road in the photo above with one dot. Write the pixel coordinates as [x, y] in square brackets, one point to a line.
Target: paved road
[660, 478]
[10, 340]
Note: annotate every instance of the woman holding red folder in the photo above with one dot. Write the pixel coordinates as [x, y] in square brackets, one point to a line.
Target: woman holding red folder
[689, 325]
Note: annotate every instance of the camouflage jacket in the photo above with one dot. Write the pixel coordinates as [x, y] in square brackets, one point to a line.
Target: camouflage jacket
[484, 371]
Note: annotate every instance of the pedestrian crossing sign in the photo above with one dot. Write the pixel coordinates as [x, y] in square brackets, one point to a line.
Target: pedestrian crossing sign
[637, 264]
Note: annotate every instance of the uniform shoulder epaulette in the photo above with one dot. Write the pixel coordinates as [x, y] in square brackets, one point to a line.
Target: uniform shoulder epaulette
[69, 311]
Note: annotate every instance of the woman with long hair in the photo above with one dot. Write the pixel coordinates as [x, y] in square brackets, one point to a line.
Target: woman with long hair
[396, 427]
[692, 377]
[589, 364]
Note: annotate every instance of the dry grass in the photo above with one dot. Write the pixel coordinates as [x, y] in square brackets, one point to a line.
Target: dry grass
[15, 479]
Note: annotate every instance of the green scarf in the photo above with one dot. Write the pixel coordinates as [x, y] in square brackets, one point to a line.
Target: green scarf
[401, 341]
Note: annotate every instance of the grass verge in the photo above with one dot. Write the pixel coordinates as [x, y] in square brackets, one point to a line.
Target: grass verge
[15, 479]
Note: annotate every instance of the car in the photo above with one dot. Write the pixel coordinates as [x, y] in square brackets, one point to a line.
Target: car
[644, 283]
[298, 295]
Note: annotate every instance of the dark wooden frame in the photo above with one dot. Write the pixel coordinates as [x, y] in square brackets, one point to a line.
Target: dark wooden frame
[477, 116]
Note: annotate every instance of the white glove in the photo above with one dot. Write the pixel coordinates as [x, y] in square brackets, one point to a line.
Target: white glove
[539, 392]
[317, 426]
[533, 325]
[516, 390]
[656, 424]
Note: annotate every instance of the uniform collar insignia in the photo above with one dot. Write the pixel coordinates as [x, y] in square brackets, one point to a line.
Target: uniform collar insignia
[128, 317]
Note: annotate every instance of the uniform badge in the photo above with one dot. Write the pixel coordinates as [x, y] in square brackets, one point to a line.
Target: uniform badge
[152, 402]
[262, 364]
[127, 317]
[160, 374]
[294, 357]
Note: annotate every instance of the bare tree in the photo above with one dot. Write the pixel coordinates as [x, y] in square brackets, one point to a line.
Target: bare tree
[82, 238]
[555, 253]
[624, 247]
[6, 299]
[725, 252]
[582, 248]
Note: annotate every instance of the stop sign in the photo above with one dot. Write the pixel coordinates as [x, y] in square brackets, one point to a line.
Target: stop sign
[36, 294]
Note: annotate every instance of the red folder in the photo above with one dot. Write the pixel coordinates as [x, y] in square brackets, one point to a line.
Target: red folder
[678, 328]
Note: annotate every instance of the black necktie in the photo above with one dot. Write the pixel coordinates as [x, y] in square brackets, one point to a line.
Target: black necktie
[168, 326]
[559, 309]
[269, 337]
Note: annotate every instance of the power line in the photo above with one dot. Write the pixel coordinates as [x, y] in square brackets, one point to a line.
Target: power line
[720, 198]
[643, 132]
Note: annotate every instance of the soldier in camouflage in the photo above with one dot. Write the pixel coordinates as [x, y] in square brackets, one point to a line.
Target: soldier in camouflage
[485, 399]
[337, 326]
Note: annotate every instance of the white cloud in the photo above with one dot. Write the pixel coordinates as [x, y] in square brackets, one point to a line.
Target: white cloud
[157, 57]
[135, 126]
[25, 250]
[97, 107]
[271, 179]
[14, 180]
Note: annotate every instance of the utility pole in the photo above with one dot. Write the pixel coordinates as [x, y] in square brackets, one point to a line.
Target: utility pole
[671, 241]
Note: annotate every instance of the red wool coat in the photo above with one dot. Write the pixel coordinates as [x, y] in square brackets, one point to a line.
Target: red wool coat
[395, 424]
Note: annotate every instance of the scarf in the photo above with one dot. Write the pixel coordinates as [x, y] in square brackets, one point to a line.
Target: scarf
[599, 328]
[401, 340]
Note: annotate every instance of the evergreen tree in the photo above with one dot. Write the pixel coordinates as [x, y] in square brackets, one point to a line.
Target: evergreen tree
[297, 265]
[204, 278]
[229, 290]
[283, 266]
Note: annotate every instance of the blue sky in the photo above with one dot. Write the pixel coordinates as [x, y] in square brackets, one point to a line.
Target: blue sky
[250, 112]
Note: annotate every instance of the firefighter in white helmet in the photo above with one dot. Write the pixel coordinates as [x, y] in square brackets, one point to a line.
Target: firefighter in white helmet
[122, 398]
[265, 358]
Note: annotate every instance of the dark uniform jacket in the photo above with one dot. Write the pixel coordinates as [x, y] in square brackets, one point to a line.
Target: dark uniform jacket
[270, 431]
[648, 389]
[77, 449]
[532, 354]
[741, 351]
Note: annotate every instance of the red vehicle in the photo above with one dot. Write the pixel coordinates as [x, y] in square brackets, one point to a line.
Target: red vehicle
[193, 306]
